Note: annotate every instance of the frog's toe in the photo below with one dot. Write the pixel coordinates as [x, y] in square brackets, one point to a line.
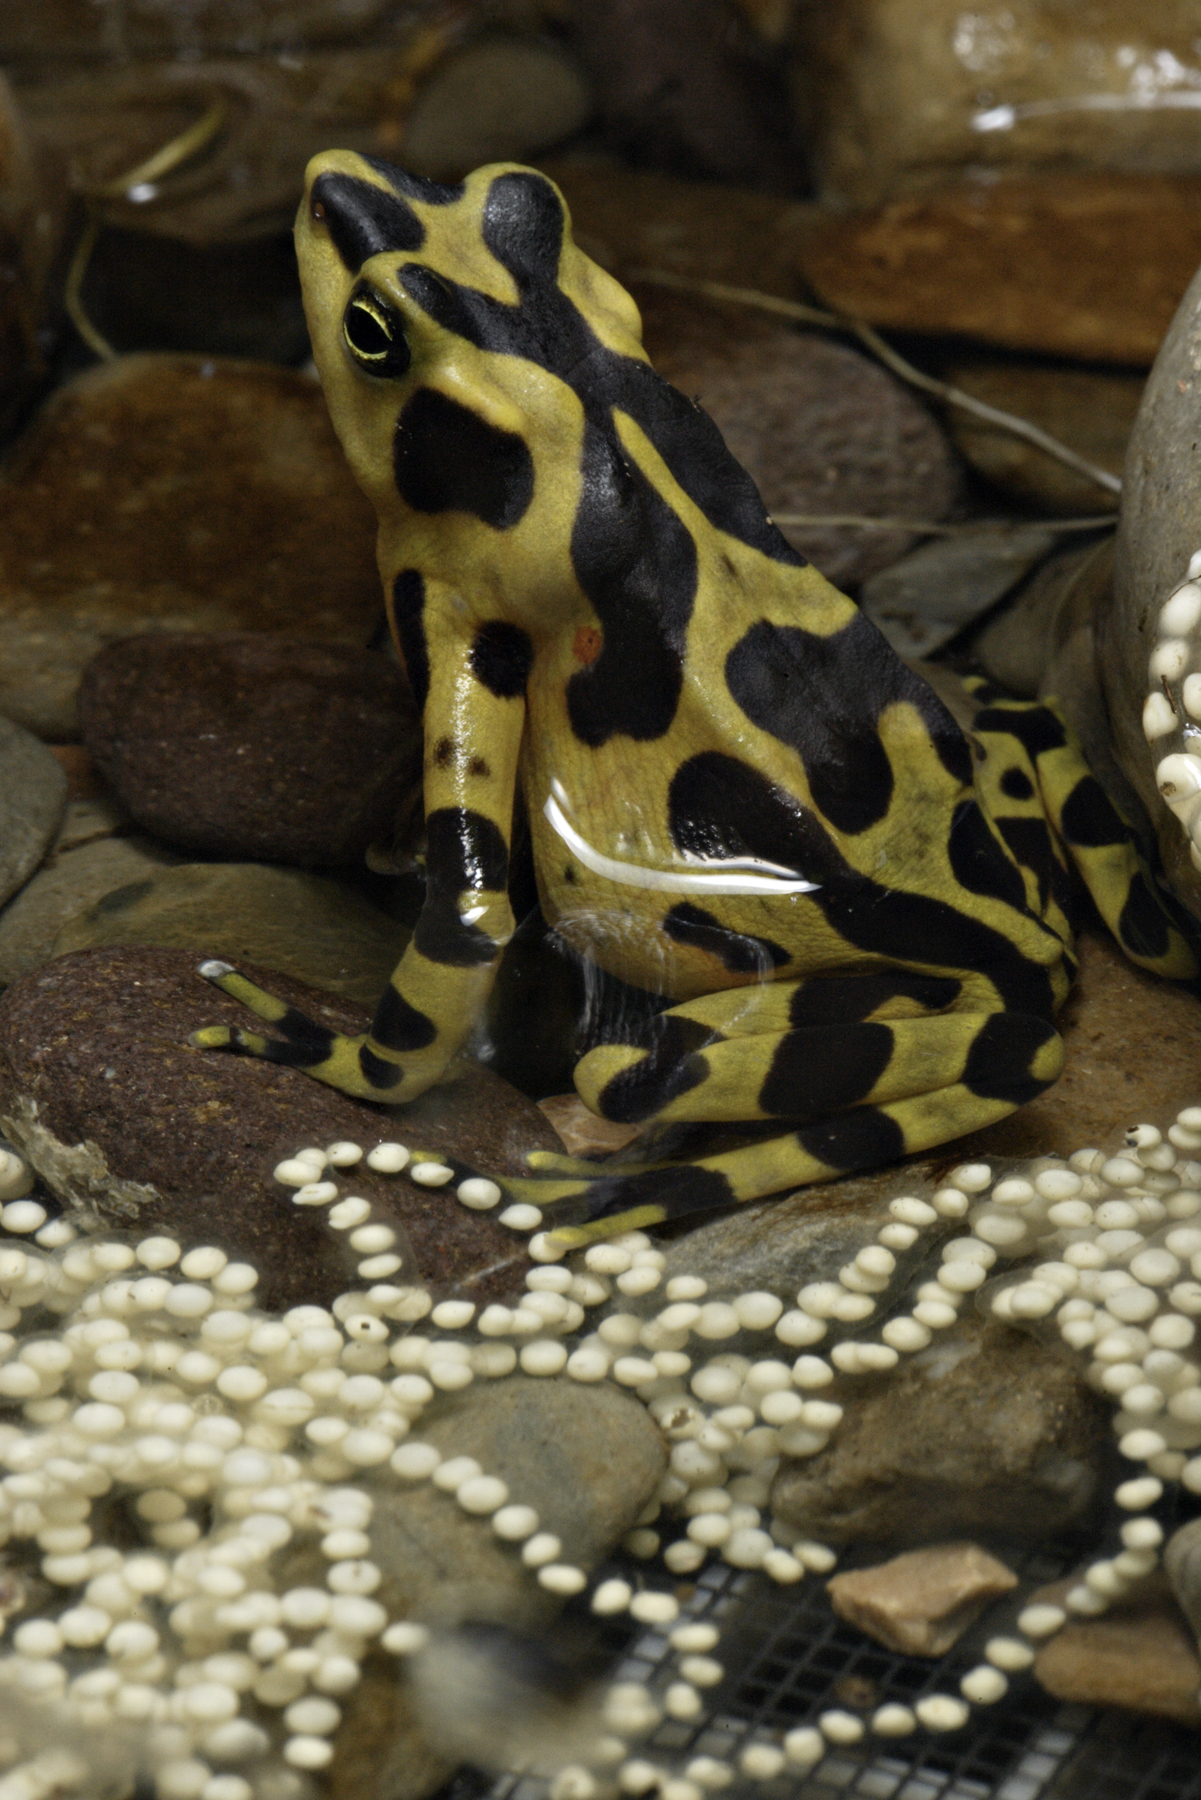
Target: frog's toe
[557, 1162]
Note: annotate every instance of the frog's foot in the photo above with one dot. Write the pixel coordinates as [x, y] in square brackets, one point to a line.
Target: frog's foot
[347, 1063]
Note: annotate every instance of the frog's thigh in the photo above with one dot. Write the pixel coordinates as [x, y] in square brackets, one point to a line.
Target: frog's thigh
[687, 1071]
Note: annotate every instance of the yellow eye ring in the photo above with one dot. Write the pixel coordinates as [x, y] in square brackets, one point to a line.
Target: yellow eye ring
[373, 333]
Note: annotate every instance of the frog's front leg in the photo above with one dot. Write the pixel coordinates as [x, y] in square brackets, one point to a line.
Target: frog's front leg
[473, 716]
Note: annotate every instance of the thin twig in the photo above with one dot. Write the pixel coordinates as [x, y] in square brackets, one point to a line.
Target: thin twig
[928, 528]
[185, 145]
[871, 339]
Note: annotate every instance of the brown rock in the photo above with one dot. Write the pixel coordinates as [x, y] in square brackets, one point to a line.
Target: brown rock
[32, 224]
[1090, 410]
[101, 1090]
[254, 747]
[75, 29]
[922, 1602]
[821, 428]
[1140, 1654]
[680, 86]
[1021, 263]
[307, 926]
[988, 1433]
[894, 95]
[631, 219]
[499, 100]
[175, 493]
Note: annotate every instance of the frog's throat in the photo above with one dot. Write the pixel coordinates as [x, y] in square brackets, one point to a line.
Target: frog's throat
[722, 875]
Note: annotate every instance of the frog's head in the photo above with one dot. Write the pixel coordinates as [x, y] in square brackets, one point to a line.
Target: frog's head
[453, 328]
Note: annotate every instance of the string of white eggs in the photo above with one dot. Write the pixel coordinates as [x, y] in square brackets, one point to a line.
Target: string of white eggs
[1173, 705]
[726, 1432]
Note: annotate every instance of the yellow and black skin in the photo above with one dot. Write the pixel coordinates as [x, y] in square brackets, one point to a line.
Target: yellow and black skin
[592, 605]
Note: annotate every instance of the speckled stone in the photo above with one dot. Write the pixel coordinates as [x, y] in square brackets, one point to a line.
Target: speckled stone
[1160, 530]
[33, 797]
[254, 747]
[309, 926]
[1139, 1655]
[987, 1433]
[176, 493]
[100, 1088]
[821, 428]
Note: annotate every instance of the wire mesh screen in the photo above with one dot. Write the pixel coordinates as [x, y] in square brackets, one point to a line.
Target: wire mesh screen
[789, 1658]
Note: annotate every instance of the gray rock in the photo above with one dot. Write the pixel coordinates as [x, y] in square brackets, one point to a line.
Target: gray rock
[587, 1459]
[69, 882]
[320, 931]
[33, 795]
[1159, 531]
[923, 601]
[1182, 1560]
[41, 661]
[987, 1434]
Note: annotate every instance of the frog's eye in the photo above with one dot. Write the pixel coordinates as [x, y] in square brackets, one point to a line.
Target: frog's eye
[374, 335]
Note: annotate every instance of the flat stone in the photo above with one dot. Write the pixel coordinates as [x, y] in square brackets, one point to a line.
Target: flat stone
[588, 1460]
[252, 746]
[123, 1119]
[33, 796]
[926, 598]
[922, 1602]
[72, 880]
[1157, 536]
[1023, 263]
[1140, 1654]
[1092, 411]
[176, 493]
[1182, 1560]
[316, 929]
[989, 1433]
[822, 429]
[892, 96]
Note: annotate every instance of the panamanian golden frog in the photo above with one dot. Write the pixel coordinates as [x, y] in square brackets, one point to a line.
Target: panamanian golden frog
[740, 799]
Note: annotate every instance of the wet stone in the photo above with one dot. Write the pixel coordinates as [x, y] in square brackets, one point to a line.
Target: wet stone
[254, 747]
[1020, 263]
[33, 795]
[1139, 1655]
[894, 95]
[101, 1091]
[822, 429]
[313, 928]
[72, 880]
[922, 1602]
[988, 1433]
[1092, 411]
[175, 493]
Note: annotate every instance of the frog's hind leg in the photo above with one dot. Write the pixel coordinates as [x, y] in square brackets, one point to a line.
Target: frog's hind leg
[1023, 736]
[298, 1042]
[872, 1089]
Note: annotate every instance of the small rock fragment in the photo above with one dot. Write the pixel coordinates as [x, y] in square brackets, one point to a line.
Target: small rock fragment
[922, 1602]
[582, 1131]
